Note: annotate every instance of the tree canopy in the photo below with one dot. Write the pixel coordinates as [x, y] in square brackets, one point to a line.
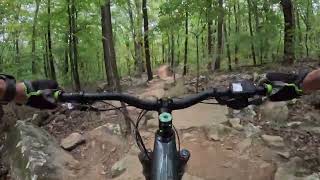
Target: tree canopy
[39, 38]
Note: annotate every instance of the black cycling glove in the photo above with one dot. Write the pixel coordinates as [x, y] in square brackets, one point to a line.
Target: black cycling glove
[283, 86]
[41, 93]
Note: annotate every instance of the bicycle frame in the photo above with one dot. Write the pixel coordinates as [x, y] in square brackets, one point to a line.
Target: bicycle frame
[166, 162]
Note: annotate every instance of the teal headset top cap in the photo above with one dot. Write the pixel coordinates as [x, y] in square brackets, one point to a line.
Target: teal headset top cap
[165, 117]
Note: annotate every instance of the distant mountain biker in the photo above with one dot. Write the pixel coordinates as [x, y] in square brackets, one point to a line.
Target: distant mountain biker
[39, 93]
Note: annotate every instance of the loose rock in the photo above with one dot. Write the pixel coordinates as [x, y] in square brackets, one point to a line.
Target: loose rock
[277, 113]
[294, 124]
[114, 128]
[235, 123]
[251, 130]
[72, 141]
[244, 145]
[217, 132]
[274, 141]
[284, 154]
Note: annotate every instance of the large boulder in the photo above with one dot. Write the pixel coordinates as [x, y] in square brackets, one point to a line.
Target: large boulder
[32, 153]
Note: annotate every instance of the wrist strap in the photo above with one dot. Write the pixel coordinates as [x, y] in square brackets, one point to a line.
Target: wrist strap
[10, 92]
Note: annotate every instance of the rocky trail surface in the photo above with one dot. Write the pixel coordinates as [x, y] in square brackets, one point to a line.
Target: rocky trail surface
[276, 141]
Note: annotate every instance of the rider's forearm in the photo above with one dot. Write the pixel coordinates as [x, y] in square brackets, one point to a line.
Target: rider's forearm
[20, 97]
[311, 81]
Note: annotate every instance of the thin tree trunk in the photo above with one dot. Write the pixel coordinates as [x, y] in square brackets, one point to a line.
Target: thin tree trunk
[146, 39]
[256, 17]
[237, 30]
[66, 54]
[266, 44]
[139, 37]
[300, 39]
[113, 61]
[45, 57]
[51, 61]
[163, 51]
[178, 48]
[203, 48]
[172, 51]
[186, 44]
[33, 41]
[210, 22]
[198, 64]
[289, 31]
[71, 54]
[308, 27]
[128, 58]
[220, 34]
[106, 54]
[253, 53]
[75, 46]
[137, 54]
[17, 34]
[227, 35]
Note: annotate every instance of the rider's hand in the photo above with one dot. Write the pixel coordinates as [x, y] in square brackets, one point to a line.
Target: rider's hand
[285, 86]
[40, 93]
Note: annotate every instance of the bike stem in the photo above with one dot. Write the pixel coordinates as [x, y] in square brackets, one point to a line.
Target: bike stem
[165, 119]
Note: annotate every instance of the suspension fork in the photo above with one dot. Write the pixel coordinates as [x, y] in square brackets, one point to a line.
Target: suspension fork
[165, 161]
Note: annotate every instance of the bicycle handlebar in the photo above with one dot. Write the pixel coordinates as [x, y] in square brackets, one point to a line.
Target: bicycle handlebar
[156, 105]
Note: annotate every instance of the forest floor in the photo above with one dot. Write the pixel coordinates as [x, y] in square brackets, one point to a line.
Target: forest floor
[267, 142]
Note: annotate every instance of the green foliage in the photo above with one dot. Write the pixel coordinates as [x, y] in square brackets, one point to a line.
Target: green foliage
[166, 17]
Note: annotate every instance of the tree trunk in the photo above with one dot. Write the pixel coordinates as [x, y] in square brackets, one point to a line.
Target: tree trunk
[186, 44]
[210, 22]
[266, 43]
[299, 35]
[128, 58]
[139, 37]
[106, 53]
[198, 64]
[257, 23]
[289, 31]
[17, 34]
[45, 57]
[308, 26]
[237, 30]
[253, 52]
[66, 55]
[74, 45]
[163, 51]
[116, 79]
[172, 51]
[50, 55]
[146, 39]
[33, 39]
[178, 48]
[220, 34]
[227, 35]
[70, 48]
[137, 54]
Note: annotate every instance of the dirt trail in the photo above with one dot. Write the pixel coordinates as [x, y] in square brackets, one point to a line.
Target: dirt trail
[234, 158]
